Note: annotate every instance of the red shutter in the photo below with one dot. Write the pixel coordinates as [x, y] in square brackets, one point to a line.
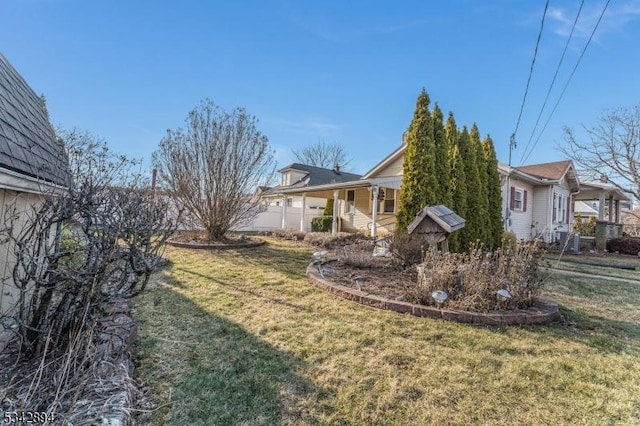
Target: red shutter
[512, 198]
[524, 202]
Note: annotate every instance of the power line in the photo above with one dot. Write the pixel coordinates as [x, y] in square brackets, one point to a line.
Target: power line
[512, 142]
[569, 80]
[553, 81]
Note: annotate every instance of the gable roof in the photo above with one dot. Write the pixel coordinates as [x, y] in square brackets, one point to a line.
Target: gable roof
[28, 143]
[386, 161]
[317, 176]
[552, 171]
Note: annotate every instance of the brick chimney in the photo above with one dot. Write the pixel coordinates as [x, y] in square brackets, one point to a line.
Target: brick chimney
[604, 178]
[336, 169]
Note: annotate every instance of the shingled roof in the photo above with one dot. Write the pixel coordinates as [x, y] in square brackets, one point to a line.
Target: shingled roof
[551, 171]
[28, 143]
[318, 176]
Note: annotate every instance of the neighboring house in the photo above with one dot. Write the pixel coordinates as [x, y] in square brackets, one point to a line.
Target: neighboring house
[539, 198]
[31, 162]
[368, 203]
[299, 176]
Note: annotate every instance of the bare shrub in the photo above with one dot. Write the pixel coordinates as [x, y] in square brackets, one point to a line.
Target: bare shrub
[359, 254]
[288, 234]
[472, 279]
[328, 240]
[77, 251]
[211, 168]
[406, 249]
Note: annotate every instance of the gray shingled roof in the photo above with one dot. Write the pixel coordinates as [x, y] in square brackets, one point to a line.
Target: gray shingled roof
[27, 141]
[317, 176]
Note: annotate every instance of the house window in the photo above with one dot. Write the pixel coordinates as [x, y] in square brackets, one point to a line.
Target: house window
[350, 206]
[286, 179]
[389, 201]
[518, 199]
[289, 202]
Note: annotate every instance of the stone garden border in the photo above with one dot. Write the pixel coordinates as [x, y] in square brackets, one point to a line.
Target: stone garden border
[248, 244]
[544, 310]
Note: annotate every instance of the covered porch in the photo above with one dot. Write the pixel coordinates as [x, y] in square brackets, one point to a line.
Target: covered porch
[364, 205]
[607, 198]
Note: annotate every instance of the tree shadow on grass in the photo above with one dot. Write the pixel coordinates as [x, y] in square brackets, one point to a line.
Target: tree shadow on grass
[172, 281]
[290, 261]
[204, 369]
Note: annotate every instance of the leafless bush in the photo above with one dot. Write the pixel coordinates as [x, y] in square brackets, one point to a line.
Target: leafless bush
[359, 254]
[327, 240]
[77, 250]
[472, 279]
[407, 249]
[288, 234]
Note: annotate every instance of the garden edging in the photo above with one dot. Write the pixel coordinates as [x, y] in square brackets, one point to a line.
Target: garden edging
[248, 244]
[544, 310]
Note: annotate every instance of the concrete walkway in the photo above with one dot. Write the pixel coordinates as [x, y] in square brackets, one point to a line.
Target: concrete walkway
[586, 275]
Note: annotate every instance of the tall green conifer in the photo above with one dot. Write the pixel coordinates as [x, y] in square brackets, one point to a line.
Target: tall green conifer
[443, 195]
[482, 219]
[419, 181]
[494, 195]
[457, 180]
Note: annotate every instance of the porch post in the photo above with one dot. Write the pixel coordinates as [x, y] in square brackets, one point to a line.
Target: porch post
[374, 211]
[334, 224]
[618, 211]
[284, 212]
[610, 208]
[601, 206]
[303, 212]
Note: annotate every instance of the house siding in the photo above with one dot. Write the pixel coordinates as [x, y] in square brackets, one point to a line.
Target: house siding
[520, 220]
[23, 203]
[361, 220]
[392, 169]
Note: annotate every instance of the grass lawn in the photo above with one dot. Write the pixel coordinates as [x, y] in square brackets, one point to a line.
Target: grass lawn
[598, 265]
[241, 337]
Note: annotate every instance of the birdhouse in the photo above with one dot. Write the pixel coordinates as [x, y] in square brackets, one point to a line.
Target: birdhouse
[436, 224]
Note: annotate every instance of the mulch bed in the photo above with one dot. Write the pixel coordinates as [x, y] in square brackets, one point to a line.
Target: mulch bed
[384, 280]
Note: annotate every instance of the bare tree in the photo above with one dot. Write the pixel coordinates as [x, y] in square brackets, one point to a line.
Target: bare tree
[611, 147]
[322, 154]
[214, 166]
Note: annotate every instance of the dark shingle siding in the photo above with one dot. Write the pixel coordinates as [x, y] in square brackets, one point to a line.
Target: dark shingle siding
[27, 140]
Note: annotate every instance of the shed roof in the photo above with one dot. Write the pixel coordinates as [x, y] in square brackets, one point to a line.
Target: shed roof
[28, 143]
[446, 218]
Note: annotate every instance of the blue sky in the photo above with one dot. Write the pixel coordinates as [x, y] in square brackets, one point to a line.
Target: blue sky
[338, 71]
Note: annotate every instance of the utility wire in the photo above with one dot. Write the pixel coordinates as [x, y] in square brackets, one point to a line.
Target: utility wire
[553, 81]
[512, 141]
[569, 80]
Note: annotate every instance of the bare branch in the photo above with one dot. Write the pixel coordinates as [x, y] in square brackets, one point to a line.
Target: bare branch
[610, 148]
[214, 166]
[322, 154]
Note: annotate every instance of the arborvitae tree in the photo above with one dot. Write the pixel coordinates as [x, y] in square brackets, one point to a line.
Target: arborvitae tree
[470, 233]
[419, 180]
[457, 180]
[481, 213]
[443, 195]
[494, 195]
